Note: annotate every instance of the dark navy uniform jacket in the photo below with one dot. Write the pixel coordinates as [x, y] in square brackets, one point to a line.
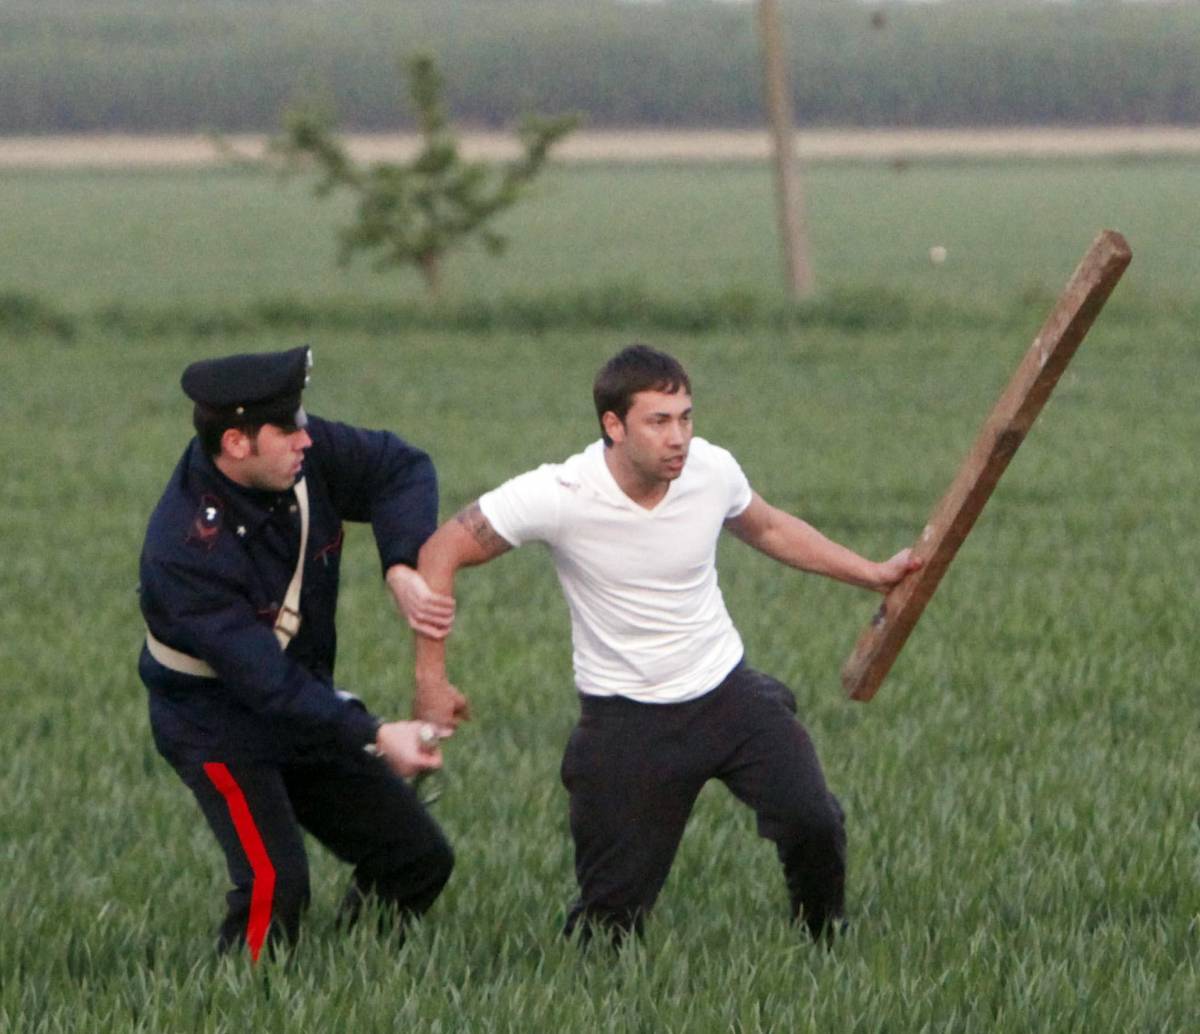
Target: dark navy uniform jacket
[214, 570]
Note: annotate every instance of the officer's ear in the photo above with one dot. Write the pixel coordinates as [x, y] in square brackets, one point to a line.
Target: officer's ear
[236, 443]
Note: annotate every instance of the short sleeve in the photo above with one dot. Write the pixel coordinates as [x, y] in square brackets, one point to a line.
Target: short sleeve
[738, 484]
[525, 508]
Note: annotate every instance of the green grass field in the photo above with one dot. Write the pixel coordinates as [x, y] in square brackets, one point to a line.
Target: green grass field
[1022, 795]
[211, 238]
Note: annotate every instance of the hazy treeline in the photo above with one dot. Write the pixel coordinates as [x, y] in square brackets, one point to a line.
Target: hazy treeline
[169, 65]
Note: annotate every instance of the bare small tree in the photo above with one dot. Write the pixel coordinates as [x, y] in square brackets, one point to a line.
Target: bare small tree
[413, 213]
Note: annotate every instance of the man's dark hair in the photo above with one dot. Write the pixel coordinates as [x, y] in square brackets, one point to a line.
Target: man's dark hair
[211, 424]
[633, 369]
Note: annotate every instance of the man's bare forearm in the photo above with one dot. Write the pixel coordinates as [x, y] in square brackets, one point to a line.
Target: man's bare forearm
[798, 544]
[792, 541]
[467, 540]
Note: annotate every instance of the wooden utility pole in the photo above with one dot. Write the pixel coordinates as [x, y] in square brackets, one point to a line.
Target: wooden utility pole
[792, 230]
[999, 438]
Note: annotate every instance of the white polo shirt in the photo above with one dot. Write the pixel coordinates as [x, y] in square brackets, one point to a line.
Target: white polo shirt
[647, 618]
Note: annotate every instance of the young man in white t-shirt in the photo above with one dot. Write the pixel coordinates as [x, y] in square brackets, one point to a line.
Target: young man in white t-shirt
[667, 700]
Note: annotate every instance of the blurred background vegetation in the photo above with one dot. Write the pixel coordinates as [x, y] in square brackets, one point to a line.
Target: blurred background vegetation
[237, 65]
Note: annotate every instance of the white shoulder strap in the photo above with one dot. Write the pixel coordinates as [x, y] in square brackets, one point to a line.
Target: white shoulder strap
[287, 624]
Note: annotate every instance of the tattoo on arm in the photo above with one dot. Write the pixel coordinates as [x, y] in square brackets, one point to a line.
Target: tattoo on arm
[472, 518]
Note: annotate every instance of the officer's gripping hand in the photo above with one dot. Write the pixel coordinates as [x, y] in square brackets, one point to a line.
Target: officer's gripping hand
[427, 612]
[409, 747]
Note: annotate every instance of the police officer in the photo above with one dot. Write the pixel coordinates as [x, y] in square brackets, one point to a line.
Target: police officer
[239, 582]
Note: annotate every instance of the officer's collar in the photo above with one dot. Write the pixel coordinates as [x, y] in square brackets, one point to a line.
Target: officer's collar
[246, 507]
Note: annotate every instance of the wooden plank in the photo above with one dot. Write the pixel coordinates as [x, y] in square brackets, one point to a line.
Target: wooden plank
[999, 438]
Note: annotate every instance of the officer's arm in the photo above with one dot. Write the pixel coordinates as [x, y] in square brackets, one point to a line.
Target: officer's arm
[203, 612]
[466, 541]
[378, 477]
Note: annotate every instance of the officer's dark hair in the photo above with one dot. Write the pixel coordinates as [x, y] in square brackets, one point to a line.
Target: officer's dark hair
[636, 368]
[211, 424]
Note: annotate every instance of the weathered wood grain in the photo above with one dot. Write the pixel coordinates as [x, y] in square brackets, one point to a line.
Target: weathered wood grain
[1000, 437]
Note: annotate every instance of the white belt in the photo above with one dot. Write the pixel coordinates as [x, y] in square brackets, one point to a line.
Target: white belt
[171, 658]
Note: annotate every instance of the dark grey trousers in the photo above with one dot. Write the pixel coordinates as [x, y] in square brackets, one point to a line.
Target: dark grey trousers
[633, 772]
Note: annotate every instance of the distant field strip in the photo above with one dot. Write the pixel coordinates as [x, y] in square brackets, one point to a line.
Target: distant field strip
[126, 151]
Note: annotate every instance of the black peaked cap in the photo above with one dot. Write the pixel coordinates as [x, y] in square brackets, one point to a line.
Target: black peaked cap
[254, 386]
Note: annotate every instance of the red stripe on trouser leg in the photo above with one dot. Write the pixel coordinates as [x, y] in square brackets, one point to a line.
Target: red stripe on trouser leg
[260, 864]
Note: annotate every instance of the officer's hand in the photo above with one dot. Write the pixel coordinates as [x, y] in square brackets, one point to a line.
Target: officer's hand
[426, 611]
[409, 747]
[440, 702]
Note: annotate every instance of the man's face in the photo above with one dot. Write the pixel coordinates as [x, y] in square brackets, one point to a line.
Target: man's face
[655, 435]
[271, 460]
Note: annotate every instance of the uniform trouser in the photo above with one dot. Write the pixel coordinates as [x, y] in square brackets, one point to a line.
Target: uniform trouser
[356, 807]
[633, 772]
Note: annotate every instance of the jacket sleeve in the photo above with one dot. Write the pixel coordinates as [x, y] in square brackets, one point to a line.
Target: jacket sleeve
[376, 476]
[201, 610]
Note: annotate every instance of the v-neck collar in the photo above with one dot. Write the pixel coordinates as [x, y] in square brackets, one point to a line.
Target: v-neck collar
[614, 488]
